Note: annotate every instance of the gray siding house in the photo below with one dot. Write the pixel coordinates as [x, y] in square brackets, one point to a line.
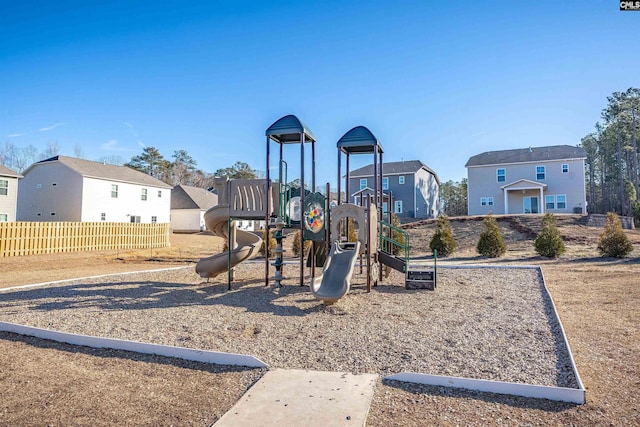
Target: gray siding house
[8, 194]
[527, 180]
[414, 188]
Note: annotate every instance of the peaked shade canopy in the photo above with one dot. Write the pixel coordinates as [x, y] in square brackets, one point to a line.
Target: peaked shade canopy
[359, 140]
[288, 129]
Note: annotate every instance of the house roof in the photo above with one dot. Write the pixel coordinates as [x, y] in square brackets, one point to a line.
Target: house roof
[526, 155]
[91, 169]
[188, 197]
[5, 171]
[522, 184]
[367, 190]
[394, 168]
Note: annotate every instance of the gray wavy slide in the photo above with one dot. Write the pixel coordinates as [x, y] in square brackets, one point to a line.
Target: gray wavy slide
[335, 280]
[248, 244]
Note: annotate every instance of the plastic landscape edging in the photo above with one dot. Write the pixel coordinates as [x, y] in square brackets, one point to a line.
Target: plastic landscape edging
[562, 394]
[203, 356]
[55, 282]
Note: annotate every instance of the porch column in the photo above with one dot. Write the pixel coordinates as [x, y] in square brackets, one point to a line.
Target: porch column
[506, 201]
[542, 203]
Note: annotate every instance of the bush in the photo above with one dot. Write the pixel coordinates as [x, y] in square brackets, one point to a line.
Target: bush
[549, 242]
[613, 242]
[295, 245]
[491, 243]
[272, 242]
[397, 235]
[443, 240]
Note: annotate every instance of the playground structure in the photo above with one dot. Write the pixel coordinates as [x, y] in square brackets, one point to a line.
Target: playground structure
[285, 206]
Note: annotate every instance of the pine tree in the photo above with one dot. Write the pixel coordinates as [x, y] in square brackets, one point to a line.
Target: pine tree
[613, 242]
[491, 243]
[443, 240]
[549, 241]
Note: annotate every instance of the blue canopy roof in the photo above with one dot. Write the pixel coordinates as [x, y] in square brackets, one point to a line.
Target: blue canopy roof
[288, 129]
[359, 140]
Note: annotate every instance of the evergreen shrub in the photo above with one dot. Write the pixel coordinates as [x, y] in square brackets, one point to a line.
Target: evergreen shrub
[491, 243]
[549, 241]
[613, 242]
[443, 240]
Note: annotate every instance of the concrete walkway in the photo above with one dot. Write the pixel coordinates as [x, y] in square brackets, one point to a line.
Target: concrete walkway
[304, 398]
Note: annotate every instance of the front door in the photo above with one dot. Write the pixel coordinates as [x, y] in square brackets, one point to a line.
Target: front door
[531, 205]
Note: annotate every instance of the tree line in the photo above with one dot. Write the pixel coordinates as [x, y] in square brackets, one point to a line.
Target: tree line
[612, 174]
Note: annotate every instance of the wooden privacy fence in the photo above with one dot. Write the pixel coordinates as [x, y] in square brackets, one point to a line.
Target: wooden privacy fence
[30, 238]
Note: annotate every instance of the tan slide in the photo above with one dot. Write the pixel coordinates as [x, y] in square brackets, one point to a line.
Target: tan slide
[335, 280]
[248, 244]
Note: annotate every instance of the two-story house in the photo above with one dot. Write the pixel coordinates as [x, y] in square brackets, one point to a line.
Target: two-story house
[413, 187]
[527, 180]
[69, 189]
[188, 205]
[8, 193]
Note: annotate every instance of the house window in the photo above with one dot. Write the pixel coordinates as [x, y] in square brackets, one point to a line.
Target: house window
[550, 202]
[135, 219]
[397, 206]
[385, 183]
[565, 168]
[54, 184]
[490, 201]
[53, 214]
[483, 201]
[159, 193]
[502, 175]
[561, 201]
[540, 172]
[154, 219]
[114, 190]
[363, 183]
[401, 179]
[385, 207]
[143, 195]
[103, 216]
[4, 217]
[4, 187]
[39, 214]
[38, 186]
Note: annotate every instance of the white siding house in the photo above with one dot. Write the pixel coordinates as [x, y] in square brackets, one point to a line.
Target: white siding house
[69, 189]
[188, 205]
[529, 180]
[8, 193]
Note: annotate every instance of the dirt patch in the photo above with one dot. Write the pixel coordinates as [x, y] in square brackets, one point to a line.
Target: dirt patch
[597, 299]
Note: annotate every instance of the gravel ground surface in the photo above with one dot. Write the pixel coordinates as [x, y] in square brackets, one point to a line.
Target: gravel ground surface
[480, 323]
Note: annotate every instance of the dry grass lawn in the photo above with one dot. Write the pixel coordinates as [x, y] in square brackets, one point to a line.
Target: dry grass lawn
[598, 300]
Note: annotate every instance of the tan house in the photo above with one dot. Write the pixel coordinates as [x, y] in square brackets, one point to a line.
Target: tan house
[527, 180]
[8, 194]
[69, 189]
[188, 205]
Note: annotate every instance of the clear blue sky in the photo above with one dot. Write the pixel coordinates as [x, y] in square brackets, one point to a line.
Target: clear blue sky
[437, 81]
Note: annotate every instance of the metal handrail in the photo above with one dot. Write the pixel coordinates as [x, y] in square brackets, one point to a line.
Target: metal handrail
[388, 238]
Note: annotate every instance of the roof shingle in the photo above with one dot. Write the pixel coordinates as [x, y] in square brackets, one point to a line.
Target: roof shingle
[526, 155]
